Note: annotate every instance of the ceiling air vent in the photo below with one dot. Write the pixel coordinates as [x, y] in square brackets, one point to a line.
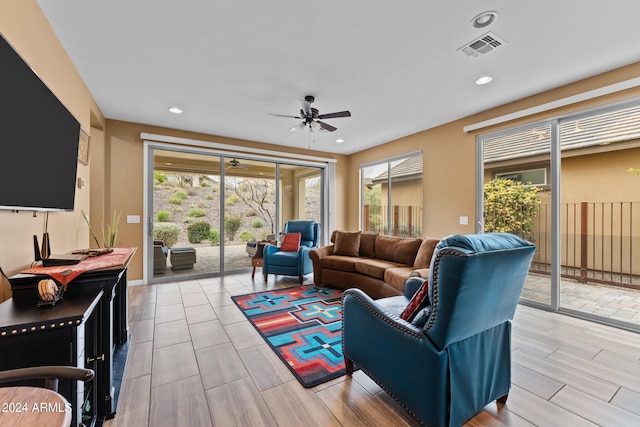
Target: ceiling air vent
[482, 45]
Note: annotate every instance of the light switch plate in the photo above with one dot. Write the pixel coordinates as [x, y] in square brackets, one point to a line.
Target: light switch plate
[133, 219]
[464, 220]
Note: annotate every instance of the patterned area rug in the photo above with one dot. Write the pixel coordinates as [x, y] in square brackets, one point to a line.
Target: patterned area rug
[303, 325]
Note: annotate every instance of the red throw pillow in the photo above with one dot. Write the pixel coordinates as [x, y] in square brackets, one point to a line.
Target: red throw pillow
[419, 301]
[290, 242]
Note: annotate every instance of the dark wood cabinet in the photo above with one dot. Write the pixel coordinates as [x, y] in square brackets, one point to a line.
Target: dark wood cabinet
[87, 328]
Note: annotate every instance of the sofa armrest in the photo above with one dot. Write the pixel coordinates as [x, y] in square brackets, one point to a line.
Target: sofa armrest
[321, 252]
[316, 255]
[423, 273]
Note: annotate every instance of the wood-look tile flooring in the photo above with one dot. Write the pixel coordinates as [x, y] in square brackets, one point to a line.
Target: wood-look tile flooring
[195, 360]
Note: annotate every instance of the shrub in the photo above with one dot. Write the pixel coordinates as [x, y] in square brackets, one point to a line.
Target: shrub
[510, 207]
[196, 212]
[214, 236]
[257, 223]
[231, 226]
[163, 216]
[198, 231]
[167, 232]
[209, 197]
[247, 236]
[159, 178]
[175, 200]
[181, 194]
[232, 200]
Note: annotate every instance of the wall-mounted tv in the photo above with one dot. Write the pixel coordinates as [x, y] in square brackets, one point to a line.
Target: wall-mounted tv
[38, 140]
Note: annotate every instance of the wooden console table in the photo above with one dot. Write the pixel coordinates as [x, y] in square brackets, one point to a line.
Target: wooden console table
[100, 335]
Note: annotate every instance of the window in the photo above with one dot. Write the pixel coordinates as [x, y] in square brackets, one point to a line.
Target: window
[529, 177]
[391, 196]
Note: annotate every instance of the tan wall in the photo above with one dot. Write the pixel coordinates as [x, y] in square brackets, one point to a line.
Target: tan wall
[448, 189]
[449, 154]
[23, 24]
[601, 177]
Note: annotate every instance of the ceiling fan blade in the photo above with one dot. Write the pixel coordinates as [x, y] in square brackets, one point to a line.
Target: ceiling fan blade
[327, 127]
[284, 115]
[306, 107]
[335, 115]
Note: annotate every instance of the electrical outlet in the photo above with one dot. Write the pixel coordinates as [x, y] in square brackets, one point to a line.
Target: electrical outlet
[464, 220]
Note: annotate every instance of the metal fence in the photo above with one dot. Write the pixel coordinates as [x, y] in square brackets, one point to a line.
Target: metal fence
[406, 221]
[600, 242]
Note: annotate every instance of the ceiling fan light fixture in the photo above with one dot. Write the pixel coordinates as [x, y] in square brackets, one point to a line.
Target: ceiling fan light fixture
[484, 19]
[315, 126]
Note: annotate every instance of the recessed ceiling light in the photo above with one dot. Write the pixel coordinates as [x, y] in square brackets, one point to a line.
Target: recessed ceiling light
[339, 140]
[175, 110]
[484, 19]
[484, 80]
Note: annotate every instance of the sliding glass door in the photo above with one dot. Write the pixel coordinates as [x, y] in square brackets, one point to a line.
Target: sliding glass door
[206, 210]
[249, 208]
[570, 185]
[186, 211]
[517, 196]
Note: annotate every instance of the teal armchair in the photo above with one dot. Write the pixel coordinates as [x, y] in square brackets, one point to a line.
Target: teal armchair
[454, 356]
[297, 263]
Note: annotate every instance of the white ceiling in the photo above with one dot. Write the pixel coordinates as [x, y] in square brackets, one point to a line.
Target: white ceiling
[393, 63]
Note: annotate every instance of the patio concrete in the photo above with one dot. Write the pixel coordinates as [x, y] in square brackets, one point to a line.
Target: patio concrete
[612, 302]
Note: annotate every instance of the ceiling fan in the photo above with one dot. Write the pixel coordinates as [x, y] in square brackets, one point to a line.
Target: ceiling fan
[234, 163]
[311, 117]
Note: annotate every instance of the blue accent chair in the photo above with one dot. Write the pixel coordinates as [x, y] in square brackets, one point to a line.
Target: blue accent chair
[455, 358]
[298, 263]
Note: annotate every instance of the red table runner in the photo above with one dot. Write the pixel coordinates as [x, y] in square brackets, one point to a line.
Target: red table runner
[64, 274]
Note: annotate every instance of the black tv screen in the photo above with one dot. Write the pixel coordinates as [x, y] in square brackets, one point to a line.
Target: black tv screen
[38, 140]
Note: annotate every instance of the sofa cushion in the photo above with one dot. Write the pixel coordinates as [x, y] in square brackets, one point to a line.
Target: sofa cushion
[374, 267]
[347, 243]
[397, 249]
[425, 253]
[339, 262]
[397, 276]
[419, 301]
[290, 242]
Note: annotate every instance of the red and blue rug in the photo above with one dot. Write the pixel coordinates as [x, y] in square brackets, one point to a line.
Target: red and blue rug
[303, 325]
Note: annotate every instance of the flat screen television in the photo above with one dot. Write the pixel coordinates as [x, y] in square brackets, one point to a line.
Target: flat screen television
[39, 140]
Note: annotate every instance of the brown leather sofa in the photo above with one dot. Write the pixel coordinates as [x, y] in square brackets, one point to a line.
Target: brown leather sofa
[379, 265]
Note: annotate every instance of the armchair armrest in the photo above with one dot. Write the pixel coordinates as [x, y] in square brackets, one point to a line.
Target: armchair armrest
[412, 285]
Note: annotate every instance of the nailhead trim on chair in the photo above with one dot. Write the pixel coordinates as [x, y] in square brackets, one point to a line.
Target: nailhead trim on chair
[434, 303]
